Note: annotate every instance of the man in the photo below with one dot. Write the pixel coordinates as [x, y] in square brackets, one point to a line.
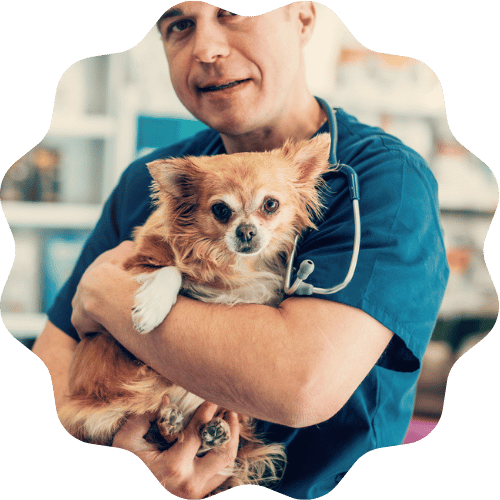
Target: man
[329, 376]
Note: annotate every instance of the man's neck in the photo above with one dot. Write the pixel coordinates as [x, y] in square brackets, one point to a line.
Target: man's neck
[301, 123]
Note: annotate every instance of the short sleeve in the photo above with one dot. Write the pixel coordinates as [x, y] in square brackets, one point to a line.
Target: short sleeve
[402, 271]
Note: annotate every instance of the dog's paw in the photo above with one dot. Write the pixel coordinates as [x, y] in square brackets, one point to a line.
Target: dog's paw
[154, 299]
[214, 435]
[170, 421]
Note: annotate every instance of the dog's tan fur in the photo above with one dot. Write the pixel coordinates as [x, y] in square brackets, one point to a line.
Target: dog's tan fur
[107, 383]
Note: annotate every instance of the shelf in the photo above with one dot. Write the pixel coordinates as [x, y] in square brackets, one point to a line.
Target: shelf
[24, 326]
[468, 212]
[481, 313]
[86, 126]
[50, 215]
[429, 105]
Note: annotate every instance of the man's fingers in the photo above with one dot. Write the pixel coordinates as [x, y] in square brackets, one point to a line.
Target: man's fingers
[178, 468]
[123, 251]
[191, 441]
[216, 460]
[234, 426]
[83, 324]
[103, 274]
[211, 467]
[119, 254]
[202, 416]
[115, 256]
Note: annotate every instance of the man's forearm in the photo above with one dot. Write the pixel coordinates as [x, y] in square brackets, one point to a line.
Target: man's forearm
[296, 365]
[238, 357]
[56, 349]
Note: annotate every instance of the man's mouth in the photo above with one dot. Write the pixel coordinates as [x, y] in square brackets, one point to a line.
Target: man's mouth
[214, 88]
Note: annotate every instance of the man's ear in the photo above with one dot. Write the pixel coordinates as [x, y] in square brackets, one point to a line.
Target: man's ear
[307, 19]
[174, 176]
[310, 159]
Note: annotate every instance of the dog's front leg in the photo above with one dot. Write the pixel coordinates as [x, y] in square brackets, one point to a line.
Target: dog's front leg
[156, 296]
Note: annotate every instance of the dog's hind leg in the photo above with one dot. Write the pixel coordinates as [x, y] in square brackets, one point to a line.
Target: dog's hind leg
[170, 421]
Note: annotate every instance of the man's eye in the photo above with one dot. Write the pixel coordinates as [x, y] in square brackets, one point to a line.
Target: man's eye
[181, 25]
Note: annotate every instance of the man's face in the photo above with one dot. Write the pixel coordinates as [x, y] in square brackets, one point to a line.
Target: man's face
[237, 74]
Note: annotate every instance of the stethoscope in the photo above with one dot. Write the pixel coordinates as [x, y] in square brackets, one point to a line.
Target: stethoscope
[306, 267]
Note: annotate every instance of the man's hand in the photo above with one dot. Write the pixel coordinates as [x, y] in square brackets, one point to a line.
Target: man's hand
[104, 279]
[178, 469]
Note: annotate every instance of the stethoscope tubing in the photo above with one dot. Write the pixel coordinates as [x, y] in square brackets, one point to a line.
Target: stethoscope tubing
[300, 287]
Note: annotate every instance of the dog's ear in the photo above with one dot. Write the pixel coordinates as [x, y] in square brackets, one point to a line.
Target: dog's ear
[310, 158]
[174, 176]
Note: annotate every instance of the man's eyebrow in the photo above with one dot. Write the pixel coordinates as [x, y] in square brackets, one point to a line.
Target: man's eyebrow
[174, 12]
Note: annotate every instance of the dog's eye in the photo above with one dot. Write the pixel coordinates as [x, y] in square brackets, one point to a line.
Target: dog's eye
[221, 212]
[271, 205]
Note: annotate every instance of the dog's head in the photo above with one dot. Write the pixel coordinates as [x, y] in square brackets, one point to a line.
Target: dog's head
[244, 203]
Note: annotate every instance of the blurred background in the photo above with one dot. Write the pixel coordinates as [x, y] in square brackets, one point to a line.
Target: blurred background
[113, 108]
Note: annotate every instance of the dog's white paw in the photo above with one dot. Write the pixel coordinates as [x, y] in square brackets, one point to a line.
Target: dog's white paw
[154, 299]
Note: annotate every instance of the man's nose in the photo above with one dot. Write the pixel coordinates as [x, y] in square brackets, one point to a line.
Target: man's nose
[210, 43]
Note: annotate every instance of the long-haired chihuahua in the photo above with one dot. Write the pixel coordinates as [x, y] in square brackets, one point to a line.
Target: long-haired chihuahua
[222, 231]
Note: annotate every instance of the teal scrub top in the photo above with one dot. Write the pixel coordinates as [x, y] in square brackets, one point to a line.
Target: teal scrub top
[400, 280]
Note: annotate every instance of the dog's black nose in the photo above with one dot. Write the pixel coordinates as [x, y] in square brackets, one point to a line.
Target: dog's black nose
[246, 232]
